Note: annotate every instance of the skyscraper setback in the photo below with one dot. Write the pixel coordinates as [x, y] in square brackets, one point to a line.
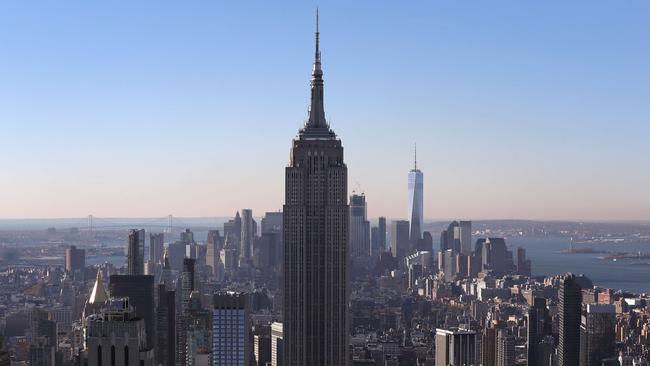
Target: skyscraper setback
[316, 224]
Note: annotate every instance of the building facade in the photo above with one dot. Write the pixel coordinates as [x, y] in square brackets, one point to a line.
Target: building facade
[316, 230]
[230, 330]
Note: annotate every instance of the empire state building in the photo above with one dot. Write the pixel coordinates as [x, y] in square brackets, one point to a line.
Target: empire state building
[316, 224]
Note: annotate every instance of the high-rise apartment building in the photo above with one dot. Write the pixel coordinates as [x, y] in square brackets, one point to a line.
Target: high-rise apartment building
[416, 202]
[135, 252]
[316, 230]
[570, 304]
[359, 226]
[230, 330]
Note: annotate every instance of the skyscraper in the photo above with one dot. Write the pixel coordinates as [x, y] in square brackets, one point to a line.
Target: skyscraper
[247, 235]
[156, 247]
[277, 344]
[316, 224]
[359, 226]
[135, 255]
[75, 259]
[416, 202]
[116, 337]
[214, 244]
[187, 287]
[539, 326]
[166, 326]
[597, 333]
[230, 329]
[455, 347]
[232, 229]
[381, 225]
[465, 237]
[399, 238]
[570, 303]
[140, 291]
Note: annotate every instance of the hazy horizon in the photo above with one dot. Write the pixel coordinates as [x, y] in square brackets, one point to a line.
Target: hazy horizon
[533, 111]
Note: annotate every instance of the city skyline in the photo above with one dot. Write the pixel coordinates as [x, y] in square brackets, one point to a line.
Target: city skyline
[534, 119]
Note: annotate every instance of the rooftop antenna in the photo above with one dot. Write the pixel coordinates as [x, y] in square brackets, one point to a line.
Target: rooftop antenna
[415, 156]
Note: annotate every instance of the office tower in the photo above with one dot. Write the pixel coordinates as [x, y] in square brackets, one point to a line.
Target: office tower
[229, 255]
[188, 277]
[199, 329]
[416, 202]
[232, 229]
[277, 344]
[505, 348]
[316, 229]
[415, 272]
[597, 333]
[455, 347]
[43, 342]
[570, 303]
[187, 286]
[359, 226]
[75, 259]
[443, 241]
[213, 251]
[489, 343]
[230, 328]
[140, 291]
[495, 255]
[452, 241]
[187, 236]
[381, 225]
[268, 251]
[273, 228]
[166, 326]
[538, 327]
[176, 255]
[399, 238]
[116, 337]
[271, 222]
[156, 247]
[247, 235]
[465, 237]
[262, 348]
[135, 255]
[523, 264]
[375, 249]
[449, 262]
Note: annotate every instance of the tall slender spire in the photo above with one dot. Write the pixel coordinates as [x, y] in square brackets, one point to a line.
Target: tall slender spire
[415, 156]
[317, 56]
[316, 107]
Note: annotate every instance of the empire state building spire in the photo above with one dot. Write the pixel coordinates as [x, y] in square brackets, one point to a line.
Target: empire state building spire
[316, 108]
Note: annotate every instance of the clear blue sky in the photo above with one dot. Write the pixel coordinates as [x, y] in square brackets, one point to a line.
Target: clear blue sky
[521, 109]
